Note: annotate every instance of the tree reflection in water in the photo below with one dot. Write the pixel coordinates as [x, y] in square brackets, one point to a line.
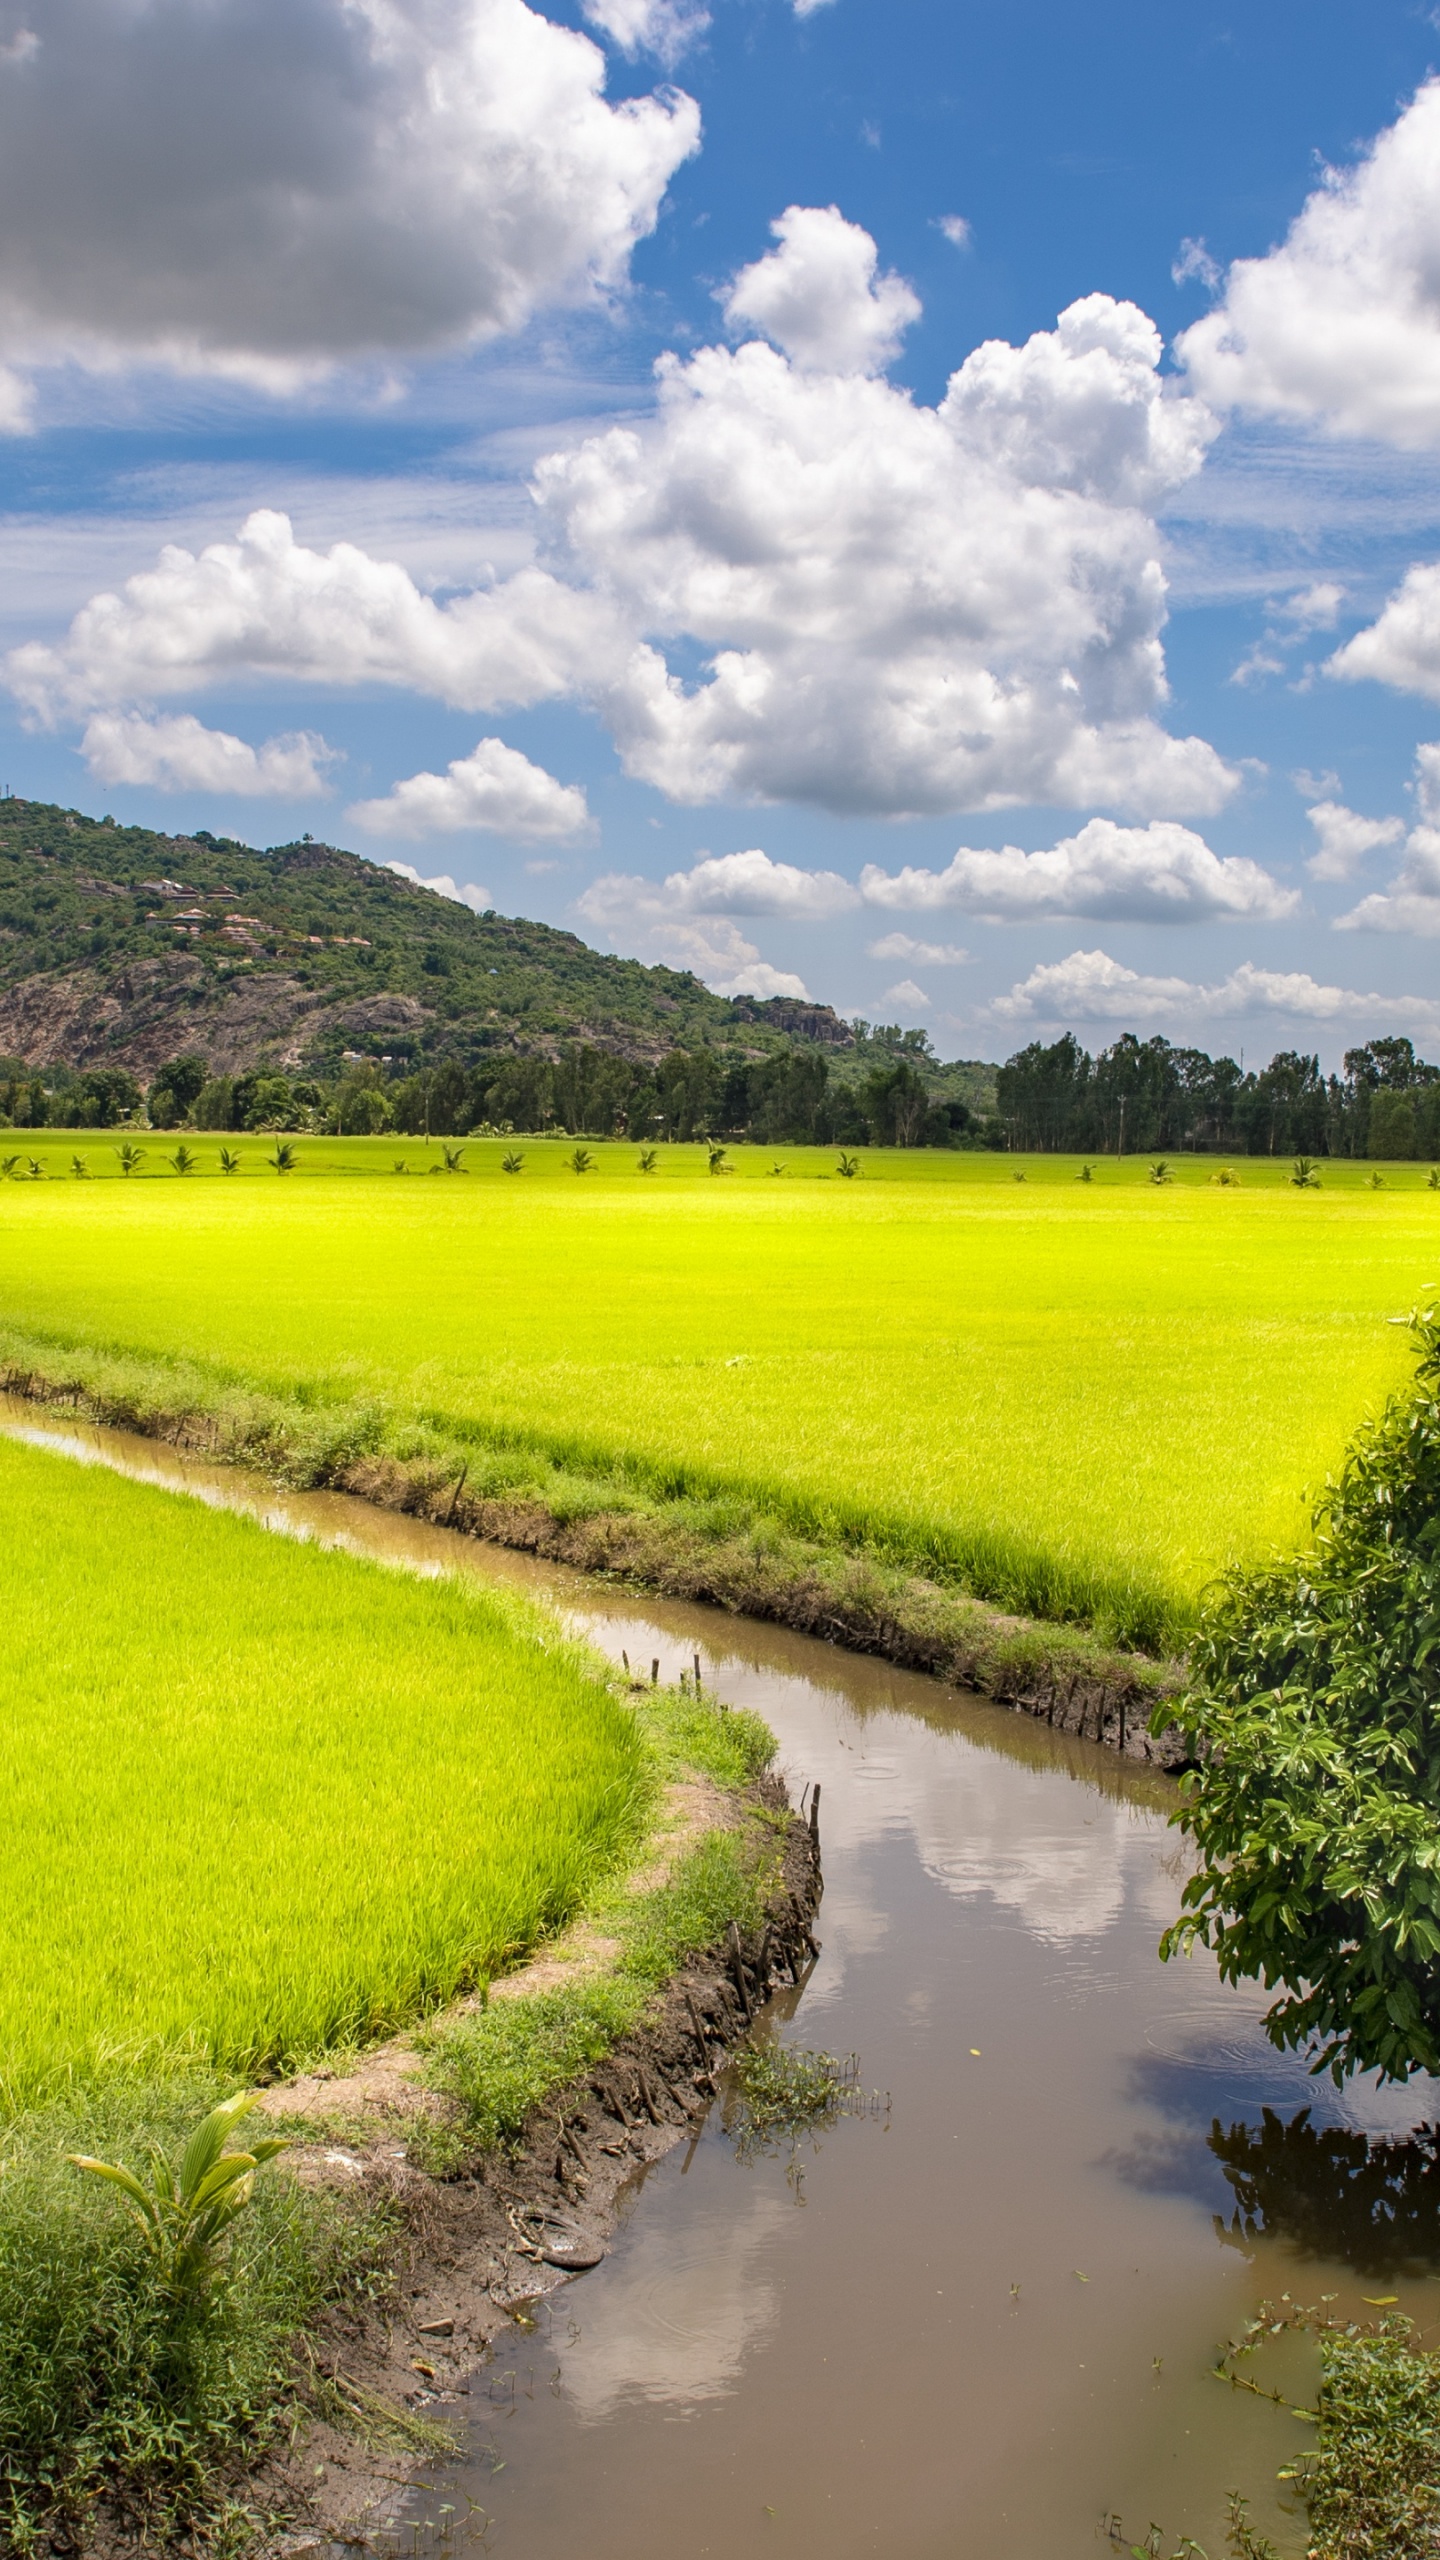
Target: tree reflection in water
[1333, 2192]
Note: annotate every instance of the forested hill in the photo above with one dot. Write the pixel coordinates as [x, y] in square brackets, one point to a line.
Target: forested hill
[122, 948]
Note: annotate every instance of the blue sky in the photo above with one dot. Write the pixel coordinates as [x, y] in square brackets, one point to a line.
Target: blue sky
[780, 663]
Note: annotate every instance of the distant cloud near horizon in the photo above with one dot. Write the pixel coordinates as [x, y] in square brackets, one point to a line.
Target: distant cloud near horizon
[1090, 987]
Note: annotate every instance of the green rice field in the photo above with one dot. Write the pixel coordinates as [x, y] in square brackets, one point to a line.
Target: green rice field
[263, 1799]
[1077, 1398]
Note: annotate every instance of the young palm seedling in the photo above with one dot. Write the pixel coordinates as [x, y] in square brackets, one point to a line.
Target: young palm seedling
[1376, 1182]
[189, 2204]
[229, 1159]
[184, 1160]
[1227, 1178]
[399, 1165]
[80, 1167]
[453, 1157]
[647, 1159]
[9, 1167]
[283, 1158]
[130, 1157]
[848, 1167]
[35, 1168]
[513, 1162]
[1086, 1173]
[582, 1161]
[1160, 1171]
[1432, 1179]
[1304, 1176]
[717, 1159]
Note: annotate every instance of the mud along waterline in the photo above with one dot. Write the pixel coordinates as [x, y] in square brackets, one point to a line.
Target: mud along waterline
[981, 2324]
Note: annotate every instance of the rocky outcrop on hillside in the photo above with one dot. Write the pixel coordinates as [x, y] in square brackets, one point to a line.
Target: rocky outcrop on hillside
[150, 1010]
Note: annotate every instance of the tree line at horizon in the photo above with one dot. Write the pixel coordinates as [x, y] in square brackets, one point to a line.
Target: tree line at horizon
[788, 1096]
[1148, 1096]
[1136, 1097]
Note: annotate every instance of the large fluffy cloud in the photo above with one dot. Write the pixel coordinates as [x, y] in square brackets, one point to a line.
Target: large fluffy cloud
[1160, 874]
[494, 788]
[894, 608]
[1091, 987]
[1342, 321]
[180, 754]
[266, 605]
[266, 187]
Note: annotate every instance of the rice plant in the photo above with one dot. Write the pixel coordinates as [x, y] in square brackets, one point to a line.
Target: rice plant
[938, 1358]
[352, 1793]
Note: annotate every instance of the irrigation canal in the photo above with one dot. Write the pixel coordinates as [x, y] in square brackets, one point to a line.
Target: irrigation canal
[979, 2325]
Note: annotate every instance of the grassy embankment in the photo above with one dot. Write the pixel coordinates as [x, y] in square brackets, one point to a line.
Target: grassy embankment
[265, 1802]
[1073, 1400]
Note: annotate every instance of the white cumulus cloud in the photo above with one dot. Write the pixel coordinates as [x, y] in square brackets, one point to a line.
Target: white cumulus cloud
[267, 188]
[1411, 903]
[1401, 647]
[929, 955]
[736, 884]
[1091, 987]
[266, 605]
[179, 754]
[1341, 322]
[819, 298]
[895, 608]
[666, 28]
[719, 953]
[1346, 838]
[1159, 874]
[494, 787]
[471, 895]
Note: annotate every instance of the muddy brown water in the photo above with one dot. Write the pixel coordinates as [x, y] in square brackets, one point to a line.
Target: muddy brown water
[979, 2325]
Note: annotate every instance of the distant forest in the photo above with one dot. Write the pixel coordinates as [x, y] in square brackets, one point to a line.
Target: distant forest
[789, 1096]
[1145, 1096]
[1137, 1097]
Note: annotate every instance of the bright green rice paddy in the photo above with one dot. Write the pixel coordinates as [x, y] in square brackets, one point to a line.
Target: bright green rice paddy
[263, 1799]
[1078, 1398]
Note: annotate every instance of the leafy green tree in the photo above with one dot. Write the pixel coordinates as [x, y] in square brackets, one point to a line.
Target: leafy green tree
[1314, 1717]
[175, 1089]
[215, 1104]
[1392, 1125]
